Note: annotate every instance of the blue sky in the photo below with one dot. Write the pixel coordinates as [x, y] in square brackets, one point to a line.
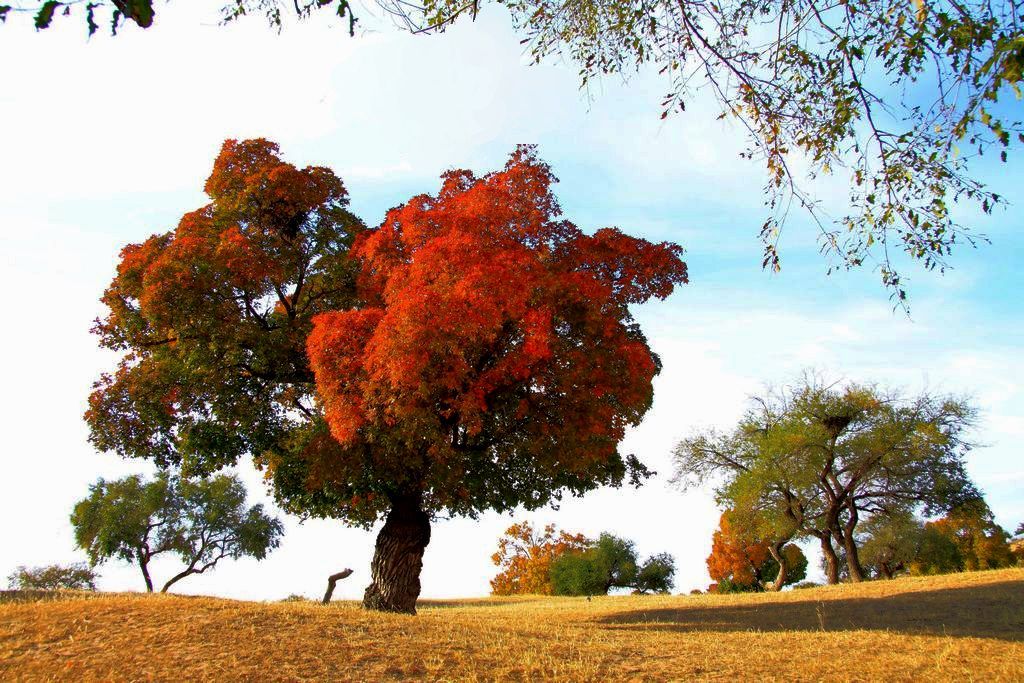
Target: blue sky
[108, 141]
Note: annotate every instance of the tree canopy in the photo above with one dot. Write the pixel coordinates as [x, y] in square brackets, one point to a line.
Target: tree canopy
[201, 521]
[474, 352]
[739, 562]
[815, 459]
[899, 99]
[611, 562]
[53, 577]
[525, 557]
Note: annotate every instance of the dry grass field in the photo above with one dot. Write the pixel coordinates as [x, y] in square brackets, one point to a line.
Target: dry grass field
[958, 627]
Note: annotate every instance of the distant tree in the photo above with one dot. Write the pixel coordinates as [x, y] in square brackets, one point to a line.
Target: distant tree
[740, 563]
[611, 562]
[201, 521]
[525, 557]
[980, 542]
[1020, 530]
[938, 553]
[655, 575]
[890, 543]
[53, 577]
[812, 459]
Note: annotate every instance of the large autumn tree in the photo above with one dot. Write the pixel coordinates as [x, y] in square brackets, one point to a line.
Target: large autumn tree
[473, 352]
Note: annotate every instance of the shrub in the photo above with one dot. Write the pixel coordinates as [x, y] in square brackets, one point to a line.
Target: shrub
[53, 577]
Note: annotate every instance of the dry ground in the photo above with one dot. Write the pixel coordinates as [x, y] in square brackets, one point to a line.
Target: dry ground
[958, 627]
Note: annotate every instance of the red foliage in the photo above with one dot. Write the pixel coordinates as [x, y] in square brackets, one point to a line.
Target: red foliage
[486, 316]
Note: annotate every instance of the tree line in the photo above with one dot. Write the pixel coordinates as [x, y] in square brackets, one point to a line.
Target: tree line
[853, 467]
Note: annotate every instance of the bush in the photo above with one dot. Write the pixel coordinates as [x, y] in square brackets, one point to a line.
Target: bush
[53, 577]
[807, 584]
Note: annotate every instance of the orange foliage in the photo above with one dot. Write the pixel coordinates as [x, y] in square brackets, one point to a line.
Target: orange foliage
[525, 557]
[982, 544]
[489, 322]
[735, 558]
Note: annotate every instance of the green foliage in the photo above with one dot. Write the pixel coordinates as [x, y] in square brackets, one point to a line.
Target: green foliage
[611, 563]
[656, 574]
[578, 574]
[808, 460]
[819, 89]
[890, 542]
[937, 554]
[201, 521]
[971, 530]
[53, 577]
[142, 13]
[796, 563]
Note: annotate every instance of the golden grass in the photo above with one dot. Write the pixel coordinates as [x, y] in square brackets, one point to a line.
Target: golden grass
[957, 627]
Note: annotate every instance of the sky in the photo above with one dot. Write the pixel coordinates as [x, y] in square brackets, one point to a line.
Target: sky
[104, 142]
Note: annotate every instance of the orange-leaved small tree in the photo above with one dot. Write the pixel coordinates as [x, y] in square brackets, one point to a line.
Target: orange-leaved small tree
[740, 562]
[735, 559]
[526, 555]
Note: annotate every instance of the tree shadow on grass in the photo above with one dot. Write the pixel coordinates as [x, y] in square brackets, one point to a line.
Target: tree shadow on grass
[992, 611]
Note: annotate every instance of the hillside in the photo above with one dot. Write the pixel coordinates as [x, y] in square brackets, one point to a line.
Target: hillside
[968, 626]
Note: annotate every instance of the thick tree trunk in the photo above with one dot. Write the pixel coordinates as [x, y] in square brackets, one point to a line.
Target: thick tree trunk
[143, 565]
[850, 545]
[831, 560]
[398, 558]
[776, 550]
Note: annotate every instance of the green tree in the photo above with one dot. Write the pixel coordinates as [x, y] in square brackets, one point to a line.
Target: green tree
[53, 577]
[200, 521]
[611, 563]
[980, 542]
[890, 542]
[899, 98]
[812, 458]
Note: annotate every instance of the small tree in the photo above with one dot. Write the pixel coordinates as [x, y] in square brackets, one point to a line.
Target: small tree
[610, 563]
[53, 577]
[890, 543]
[526, 555]
[201, 521]
[741, 563]
[979, 541]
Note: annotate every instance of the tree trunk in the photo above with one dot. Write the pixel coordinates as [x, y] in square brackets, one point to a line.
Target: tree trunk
[776, 550]
[884, 568]
[850, 544]
[333, 579]
[398, 558]
[143, 565]
[831, 560]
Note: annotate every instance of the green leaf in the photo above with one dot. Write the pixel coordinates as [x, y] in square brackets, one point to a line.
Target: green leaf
[45, 14]
[4, 9]
[139, 11]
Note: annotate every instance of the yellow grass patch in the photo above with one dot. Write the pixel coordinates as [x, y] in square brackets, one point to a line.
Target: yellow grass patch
[957, 627]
